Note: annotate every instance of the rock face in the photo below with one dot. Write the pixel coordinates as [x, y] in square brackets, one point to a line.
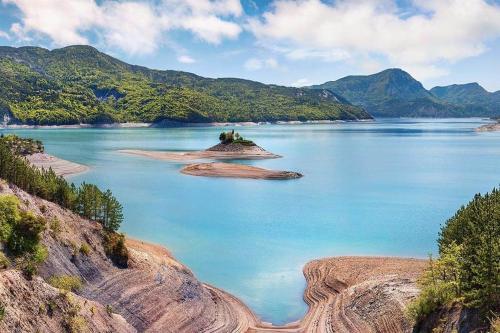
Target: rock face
[155, 294]
[35, 306]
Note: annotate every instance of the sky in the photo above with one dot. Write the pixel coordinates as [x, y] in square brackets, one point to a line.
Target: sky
[285, 42]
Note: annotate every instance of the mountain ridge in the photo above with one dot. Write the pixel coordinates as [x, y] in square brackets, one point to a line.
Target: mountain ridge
[395, 93]
[78, 84]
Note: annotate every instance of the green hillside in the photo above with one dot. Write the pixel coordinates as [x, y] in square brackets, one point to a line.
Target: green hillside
[394, 93]
[471, 95]
[80, 84]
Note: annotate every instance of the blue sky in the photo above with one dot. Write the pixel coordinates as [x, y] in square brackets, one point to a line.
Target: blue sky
[284, 42]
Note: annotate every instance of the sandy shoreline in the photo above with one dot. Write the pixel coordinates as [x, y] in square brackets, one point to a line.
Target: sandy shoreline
[232, 170]
[59, 166]
[199, 155]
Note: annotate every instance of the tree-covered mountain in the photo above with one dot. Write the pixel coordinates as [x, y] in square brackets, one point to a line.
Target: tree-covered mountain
[395, 93]
[80, 84]
[471, 95]
[390, 93]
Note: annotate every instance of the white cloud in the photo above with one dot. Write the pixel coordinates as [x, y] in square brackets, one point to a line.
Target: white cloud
[4, 35]
[185, 59]
[133, 26]
[254, 64]
[430, 33]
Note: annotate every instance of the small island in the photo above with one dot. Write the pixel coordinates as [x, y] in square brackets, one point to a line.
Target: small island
[233, 170]
[232, 146]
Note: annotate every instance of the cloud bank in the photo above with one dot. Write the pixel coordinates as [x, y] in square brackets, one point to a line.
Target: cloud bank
[417, 38]
[136, 27]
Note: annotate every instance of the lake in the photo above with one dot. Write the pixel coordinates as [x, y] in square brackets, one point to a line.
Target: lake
[378, 188]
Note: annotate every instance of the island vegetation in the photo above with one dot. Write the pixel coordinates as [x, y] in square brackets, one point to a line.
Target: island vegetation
[78, 84]
[466, 275]
[20, 230]
[234, 137]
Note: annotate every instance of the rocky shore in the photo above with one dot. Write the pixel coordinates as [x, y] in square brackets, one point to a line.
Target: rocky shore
[232, 170]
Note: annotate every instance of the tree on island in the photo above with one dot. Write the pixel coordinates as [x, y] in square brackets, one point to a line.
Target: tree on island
[234, 137]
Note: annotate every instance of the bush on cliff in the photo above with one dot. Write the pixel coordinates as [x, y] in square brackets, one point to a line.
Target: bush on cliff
[114, 246]
[20, 234]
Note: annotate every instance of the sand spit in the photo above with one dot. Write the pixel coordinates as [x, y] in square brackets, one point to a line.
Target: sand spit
[249, 154]
[61, 167]
[236, 171]
[489, 128]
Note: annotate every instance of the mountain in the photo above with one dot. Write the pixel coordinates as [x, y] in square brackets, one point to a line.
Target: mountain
[391, 93]
[472, 95]
[80, 84]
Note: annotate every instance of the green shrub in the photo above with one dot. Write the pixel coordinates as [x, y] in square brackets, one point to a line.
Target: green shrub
[109, 310]
[85, 249]
[2, 311]
[76, 324]
[4, 261]
[25, 233]
[9, 215]
[66, 282]
[114, 246]
[55, 226]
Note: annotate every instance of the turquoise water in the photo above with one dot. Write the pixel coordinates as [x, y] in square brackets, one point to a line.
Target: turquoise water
[379, 188]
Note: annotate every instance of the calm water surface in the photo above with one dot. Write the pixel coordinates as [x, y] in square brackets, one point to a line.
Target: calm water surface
[379, 188]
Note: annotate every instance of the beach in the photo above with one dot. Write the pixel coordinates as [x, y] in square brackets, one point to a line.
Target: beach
[59, 166]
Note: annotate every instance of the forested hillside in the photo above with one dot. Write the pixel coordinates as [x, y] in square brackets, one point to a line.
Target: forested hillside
[79, 84]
